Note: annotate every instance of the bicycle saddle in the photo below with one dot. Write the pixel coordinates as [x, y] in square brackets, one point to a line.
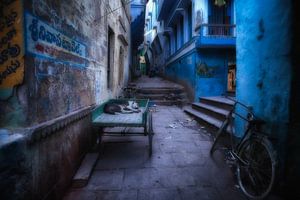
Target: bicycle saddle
[257, 121]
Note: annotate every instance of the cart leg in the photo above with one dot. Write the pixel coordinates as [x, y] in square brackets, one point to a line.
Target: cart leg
[150, 144]
[99, 138]
[150, 133]
[145, 130]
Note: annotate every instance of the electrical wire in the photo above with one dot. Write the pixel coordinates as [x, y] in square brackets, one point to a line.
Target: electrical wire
[111, 11]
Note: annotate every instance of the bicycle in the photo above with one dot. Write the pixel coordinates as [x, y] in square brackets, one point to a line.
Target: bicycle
[253, 155]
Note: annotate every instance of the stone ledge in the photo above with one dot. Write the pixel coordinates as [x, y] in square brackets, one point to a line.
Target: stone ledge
[7, 137]
[42, 130]
[45, 129]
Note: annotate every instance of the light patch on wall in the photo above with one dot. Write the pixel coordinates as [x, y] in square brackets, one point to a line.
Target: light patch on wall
[11, 45]
[189, 60]
[97, 86]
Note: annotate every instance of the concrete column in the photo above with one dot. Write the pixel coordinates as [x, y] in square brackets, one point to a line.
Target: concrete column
[178, 35]
[186, 25]
[264, 64]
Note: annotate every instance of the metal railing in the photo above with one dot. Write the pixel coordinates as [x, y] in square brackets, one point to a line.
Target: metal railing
[217, 30]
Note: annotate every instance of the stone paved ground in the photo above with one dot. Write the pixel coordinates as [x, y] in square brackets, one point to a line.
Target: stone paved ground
[180, 167]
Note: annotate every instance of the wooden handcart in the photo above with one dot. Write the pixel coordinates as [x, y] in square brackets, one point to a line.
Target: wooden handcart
[101, 120]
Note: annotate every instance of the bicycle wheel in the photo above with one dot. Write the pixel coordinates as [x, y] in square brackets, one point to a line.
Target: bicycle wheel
[256, 170]
[221, 130]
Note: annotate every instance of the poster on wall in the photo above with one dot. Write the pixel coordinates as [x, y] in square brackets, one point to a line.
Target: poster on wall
[205, 71]
[45, 41]
[11, 45]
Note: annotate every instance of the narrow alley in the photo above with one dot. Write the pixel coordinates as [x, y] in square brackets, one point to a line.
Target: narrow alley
[180, 167]
[149, 100]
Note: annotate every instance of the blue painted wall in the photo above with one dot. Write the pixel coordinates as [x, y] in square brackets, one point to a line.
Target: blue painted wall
[264, 69]
[263, 60]
[203, 83]
[214, 82]
[183, 69]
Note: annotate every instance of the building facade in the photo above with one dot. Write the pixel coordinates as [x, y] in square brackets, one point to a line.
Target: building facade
[137, 29]
[58, 60]
[200, 50]
[198, 43]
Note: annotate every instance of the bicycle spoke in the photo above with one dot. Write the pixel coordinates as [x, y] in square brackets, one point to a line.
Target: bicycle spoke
[256, 176]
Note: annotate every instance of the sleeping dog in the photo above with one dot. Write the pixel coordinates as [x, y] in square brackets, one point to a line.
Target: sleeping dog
[128, 107]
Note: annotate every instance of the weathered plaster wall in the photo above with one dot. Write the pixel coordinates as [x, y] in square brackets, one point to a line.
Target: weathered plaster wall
[54, 87]
[65, 72]
[43, 169]
[264, 66]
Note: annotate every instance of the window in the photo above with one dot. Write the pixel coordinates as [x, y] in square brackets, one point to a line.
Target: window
[219, 15]
[110, 56]
[190, 17]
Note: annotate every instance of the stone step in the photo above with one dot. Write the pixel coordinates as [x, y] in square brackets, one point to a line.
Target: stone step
[159, 90]
[160, 96]
[204, 118]
[214, 111]
[180, 102]
[220, 102]
[84, 172]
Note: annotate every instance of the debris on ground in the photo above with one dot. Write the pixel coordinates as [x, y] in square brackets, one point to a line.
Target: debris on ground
[189, 119]
[173, 125]
[168, 138]
[153, 108]
[178, 123]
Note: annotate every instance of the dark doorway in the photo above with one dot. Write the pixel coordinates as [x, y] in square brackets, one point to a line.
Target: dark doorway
[231, 78]
[121, 66]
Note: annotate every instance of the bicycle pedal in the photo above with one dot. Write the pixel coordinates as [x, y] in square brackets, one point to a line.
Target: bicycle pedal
[230, 157]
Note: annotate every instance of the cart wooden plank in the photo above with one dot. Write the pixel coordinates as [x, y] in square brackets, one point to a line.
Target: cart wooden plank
[127, 119]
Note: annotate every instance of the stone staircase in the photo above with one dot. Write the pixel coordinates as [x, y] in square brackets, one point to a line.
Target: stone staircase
[210, 111]
[163, 95]
[160, 91]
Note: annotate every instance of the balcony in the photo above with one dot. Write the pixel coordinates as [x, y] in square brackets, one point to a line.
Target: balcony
[165, 7]
[216, 36]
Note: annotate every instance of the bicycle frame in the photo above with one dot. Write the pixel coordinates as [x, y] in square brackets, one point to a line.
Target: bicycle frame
[247, 134]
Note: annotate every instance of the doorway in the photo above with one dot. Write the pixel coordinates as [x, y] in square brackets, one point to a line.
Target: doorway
[121, 66]
[231, 78]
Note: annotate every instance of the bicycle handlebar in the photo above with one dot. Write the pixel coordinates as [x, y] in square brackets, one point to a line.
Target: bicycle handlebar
[249, 109]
